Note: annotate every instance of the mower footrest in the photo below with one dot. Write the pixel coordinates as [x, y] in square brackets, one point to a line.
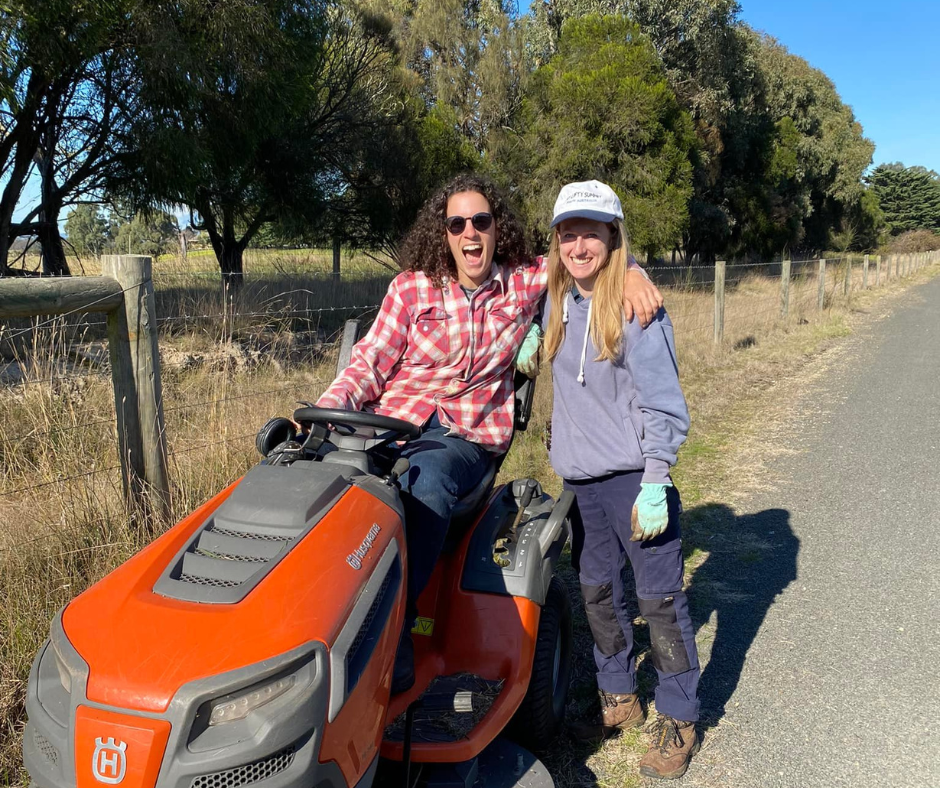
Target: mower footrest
[448, 710]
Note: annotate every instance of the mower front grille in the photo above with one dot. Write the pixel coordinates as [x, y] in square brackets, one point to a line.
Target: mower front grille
[249, 773]
[49, 752]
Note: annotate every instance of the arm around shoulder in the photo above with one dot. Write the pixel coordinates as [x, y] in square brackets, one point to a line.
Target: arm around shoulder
[640, 295]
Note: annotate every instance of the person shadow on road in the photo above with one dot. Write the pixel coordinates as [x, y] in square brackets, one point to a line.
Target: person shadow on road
[750, 560]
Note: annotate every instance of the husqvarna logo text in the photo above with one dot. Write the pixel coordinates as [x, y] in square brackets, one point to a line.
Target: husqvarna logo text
[354, 559]
[109, 763]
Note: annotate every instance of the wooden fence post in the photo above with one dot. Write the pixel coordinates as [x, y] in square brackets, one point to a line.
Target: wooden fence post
[877, 270]
[138, 393]
[865, 273]
[719, 301]
[785, 288]
[821, 288]
[336, 251]
[847, 282]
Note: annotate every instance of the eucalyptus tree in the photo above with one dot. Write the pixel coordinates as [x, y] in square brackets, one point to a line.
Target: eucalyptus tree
[463, 58]
[709, 68]
[400, 162]
[829, 150]
[249, 110]
[88, 230]
[602, 108]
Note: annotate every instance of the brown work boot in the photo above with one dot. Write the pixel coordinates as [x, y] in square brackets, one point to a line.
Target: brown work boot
[618, 713]
[674, 743]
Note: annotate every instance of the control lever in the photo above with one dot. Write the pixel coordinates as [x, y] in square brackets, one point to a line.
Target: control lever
[399, 469]
[523, 491]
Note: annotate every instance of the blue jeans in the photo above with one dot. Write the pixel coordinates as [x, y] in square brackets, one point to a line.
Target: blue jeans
[600, 525]
[444, 468]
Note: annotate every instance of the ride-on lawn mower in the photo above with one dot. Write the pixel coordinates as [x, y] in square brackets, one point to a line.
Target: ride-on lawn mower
[253, 643]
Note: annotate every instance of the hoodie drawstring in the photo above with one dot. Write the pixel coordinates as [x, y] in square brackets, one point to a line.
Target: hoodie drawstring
[587, 331]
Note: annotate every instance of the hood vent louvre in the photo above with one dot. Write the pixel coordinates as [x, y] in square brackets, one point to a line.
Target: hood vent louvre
[267, 513]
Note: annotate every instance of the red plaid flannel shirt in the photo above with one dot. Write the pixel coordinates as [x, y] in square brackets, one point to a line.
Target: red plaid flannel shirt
[433, 349]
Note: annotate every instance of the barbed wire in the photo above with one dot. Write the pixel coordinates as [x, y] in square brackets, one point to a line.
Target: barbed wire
[178, 408]
[270, 315]
[60, 480]
[47, 433]
[213, 443]
[250, 277]
[70, 376]
[51, 531]
[86, 474]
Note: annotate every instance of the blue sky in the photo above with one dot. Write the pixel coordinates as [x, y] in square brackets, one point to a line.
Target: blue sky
[884, 59]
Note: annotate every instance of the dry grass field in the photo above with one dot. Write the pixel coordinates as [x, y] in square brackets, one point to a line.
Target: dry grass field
[227, 368]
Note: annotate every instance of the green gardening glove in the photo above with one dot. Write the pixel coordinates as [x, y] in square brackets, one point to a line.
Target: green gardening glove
[527, 359]
[650, 513]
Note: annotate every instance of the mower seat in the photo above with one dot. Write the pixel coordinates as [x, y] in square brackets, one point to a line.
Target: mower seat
[467, 508]
[472, 501]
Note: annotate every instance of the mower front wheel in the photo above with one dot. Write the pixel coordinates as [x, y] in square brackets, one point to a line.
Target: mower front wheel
[540, 717]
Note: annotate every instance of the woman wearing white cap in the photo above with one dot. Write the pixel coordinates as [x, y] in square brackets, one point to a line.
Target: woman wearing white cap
[619, 418]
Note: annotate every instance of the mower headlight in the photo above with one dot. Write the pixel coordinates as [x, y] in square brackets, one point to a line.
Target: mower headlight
[241, 706]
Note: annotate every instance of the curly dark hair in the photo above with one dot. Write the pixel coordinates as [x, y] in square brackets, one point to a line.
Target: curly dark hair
[425, 246]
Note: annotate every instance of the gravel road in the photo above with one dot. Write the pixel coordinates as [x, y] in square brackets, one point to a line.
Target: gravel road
[819, 600]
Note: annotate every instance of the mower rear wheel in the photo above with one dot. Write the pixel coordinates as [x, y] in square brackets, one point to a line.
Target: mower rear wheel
[540, 717]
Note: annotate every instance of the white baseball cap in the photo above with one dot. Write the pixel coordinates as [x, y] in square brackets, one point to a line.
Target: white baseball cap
[587, 200]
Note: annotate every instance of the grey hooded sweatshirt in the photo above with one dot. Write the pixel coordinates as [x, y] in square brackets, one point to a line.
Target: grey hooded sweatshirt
[623, 416]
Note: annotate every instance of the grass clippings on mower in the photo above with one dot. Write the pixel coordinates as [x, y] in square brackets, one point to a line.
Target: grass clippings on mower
[436, 724]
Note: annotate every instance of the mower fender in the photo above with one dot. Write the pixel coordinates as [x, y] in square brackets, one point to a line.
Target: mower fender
[528, 550]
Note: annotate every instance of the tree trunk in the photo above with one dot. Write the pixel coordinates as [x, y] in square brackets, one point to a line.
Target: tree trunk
[11, 195]
[230, 263]
[5, 242]
[228, 250]
[53, 251]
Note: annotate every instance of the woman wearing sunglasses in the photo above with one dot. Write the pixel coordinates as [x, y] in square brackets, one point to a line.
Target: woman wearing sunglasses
[440, 354]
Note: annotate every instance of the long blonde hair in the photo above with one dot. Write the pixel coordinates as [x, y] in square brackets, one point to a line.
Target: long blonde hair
[607, 298]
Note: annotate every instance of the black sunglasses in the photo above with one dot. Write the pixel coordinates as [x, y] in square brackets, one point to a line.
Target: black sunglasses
[481, 221]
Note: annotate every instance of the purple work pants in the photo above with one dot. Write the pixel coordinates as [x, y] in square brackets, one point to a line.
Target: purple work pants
[601, 540]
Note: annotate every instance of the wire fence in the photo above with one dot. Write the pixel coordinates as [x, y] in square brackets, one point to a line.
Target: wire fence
[229, 362]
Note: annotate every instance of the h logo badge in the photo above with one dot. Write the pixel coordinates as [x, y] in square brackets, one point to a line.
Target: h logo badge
[109, 763]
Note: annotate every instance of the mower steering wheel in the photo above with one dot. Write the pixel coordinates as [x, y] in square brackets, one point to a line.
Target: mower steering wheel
[396, 429]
